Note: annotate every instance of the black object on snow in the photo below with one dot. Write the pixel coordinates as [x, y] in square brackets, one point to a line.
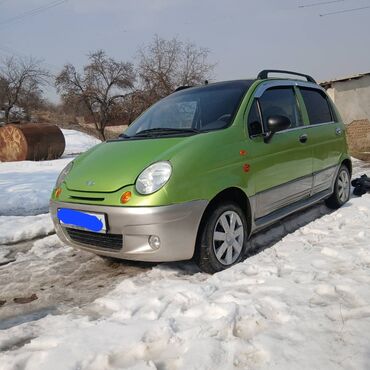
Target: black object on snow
[361, 185]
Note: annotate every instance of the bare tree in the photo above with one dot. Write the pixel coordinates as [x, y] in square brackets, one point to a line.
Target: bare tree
[20, 78]
[165, 65]
[30, 100]
[102, 84]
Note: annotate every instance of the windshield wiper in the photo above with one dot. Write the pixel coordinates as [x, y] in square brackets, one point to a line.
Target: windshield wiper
[164, 131]
[124, 136]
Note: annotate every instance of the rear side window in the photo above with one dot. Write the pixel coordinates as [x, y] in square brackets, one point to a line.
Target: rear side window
[317, 106]
[280, 101]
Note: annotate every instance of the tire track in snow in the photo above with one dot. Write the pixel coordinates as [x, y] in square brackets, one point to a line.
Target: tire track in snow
[64, 278]
[61, 277]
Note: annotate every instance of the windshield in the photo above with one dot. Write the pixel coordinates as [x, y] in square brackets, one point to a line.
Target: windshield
[193, 110]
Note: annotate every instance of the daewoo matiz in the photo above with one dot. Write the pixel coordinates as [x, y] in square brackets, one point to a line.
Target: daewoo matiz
[203, 169]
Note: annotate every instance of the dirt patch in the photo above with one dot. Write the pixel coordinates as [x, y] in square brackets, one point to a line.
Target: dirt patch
[24, 300]
[45, 273]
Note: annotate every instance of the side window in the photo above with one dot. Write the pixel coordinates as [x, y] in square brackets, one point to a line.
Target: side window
[254, 120]
[317, 106]
[281, 101]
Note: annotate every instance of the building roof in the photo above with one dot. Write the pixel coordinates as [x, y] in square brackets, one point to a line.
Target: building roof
[327, 84]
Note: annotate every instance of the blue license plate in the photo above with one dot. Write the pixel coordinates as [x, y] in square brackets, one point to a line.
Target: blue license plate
[82, 220]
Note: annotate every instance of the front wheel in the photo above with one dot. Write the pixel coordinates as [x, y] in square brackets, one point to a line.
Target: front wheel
[223, 238]
[342, 188]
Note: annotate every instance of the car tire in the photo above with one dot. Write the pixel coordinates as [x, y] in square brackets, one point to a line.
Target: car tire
[342, 188]
[222, 238]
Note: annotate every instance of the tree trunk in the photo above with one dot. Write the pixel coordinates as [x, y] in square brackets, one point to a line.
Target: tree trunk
[101, 130]
[99, 125]
[7, 114]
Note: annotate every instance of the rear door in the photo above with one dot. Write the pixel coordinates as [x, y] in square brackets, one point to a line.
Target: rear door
[326, 135]
[282, 167]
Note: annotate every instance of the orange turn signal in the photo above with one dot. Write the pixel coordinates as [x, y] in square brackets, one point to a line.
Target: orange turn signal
[58, 191]
[125, 197]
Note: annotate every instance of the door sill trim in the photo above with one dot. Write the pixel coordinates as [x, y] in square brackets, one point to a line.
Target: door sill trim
[262, 222]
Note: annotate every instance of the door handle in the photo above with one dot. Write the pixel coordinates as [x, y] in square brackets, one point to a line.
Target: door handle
[338, 131]
[303, 138]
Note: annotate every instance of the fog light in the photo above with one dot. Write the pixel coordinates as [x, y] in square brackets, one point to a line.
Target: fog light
[154, 241]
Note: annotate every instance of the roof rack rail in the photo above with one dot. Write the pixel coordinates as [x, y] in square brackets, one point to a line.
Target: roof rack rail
[264, 74]
[183, 88]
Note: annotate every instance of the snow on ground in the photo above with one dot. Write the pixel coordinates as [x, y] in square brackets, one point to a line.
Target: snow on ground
[304, 303]
[17, 228]
[78, 142]
[25, 187]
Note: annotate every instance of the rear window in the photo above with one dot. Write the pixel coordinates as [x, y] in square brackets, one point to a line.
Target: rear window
[317, 106]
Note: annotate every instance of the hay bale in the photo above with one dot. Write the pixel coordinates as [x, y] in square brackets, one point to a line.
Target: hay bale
[33, 142]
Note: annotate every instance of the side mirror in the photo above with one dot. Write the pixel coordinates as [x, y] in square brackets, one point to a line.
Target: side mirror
[275, 124]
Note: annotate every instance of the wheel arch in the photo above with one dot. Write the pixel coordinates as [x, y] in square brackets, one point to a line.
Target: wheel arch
[232, 194]
[347, 162]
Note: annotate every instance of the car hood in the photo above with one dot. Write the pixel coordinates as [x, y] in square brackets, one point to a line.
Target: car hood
[112, 165]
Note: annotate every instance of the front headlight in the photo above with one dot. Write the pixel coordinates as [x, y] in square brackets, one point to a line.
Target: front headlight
[153, 178]
[65, 171]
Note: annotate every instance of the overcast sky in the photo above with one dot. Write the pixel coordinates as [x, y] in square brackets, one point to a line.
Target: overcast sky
[244, 36]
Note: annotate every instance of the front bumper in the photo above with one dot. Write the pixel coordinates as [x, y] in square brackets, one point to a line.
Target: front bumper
[176, 225]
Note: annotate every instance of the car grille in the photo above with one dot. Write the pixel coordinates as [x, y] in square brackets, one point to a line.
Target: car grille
[106, 241]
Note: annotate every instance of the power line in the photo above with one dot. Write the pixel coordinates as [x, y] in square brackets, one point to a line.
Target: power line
[344, 11]
[320, 3]
[34, 11]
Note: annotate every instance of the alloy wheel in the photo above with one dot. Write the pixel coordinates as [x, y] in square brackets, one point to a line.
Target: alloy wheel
[343, 186]
[228, 237]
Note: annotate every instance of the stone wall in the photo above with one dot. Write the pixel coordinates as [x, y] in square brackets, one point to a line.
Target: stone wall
[358, 138]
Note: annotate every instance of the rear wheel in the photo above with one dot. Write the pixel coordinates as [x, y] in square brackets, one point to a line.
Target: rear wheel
[223, 238]
[342, 188]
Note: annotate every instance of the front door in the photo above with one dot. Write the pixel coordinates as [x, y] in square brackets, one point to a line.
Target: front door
[282, 167]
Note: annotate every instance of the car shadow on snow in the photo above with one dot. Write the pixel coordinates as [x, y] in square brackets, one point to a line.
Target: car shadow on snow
[260, 241]
[271, 235]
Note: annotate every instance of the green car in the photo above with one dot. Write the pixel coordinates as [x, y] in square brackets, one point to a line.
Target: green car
[205, 168]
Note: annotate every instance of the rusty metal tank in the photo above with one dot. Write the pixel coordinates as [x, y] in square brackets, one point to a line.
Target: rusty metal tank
[30, 141]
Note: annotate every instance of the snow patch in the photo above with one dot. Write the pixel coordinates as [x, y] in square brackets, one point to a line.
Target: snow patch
[25, 186]
[78, 142]
[303, 303]
[17, 228]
